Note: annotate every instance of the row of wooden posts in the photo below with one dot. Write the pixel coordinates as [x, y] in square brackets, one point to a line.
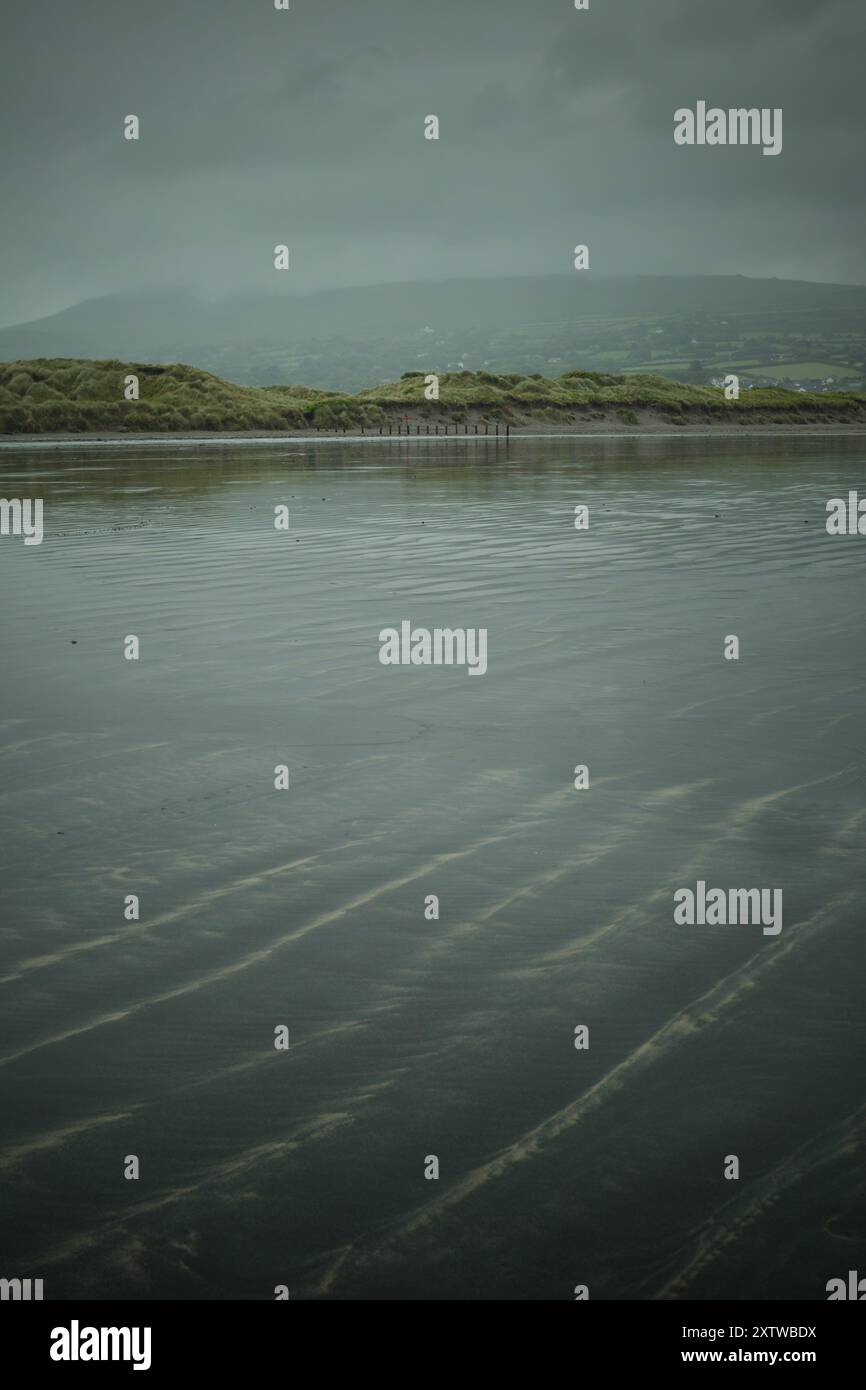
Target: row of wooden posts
[446, 429]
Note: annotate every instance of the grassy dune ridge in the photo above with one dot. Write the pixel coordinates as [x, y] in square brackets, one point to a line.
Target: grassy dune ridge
[70, 395]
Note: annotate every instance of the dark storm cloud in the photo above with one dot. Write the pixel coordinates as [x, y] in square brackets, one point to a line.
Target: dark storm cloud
[261, 127]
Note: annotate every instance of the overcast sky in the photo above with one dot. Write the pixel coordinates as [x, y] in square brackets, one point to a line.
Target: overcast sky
[307, 127]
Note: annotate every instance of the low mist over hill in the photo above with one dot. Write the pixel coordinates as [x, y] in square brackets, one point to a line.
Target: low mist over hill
[690, 328]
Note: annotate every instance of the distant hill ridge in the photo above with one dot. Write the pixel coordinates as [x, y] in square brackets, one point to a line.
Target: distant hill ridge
[345, 338]
[61, 395]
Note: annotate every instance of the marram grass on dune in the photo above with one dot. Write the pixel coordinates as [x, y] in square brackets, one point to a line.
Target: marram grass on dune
[70, 395]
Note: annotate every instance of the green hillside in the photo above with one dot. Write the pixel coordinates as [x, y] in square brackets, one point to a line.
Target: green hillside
[63, 395]
[689, 328]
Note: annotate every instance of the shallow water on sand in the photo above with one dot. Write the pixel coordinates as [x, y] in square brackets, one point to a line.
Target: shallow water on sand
[412, 1037]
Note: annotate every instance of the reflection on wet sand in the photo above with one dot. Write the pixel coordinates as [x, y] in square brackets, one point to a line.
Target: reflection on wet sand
[413, 1036]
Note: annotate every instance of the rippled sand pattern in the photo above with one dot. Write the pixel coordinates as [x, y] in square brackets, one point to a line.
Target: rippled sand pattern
[306, 908]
